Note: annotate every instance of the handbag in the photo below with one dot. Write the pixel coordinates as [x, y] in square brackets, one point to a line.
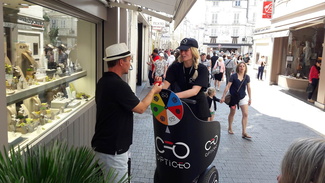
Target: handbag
[309, 88]
[216, 70]
[228, 96]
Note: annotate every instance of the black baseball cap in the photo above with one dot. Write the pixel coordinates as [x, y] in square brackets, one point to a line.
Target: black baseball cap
[186, 43]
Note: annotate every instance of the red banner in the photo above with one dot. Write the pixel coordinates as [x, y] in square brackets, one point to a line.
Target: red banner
[267, 9]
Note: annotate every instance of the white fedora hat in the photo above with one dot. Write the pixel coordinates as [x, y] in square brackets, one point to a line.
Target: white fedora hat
[116, 51]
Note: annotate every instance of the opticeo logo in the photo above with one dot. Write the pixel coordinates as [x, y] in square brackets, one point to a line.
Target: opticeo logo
[162, 146]
[211, 145]
[167, 145]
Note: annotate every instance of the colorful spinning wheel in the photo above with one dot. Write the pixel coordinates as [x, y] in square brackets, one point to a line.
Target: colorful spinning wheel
[167, 107]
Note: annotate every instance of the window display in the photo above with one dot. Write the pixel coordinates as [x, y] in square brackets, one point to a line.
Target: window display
[50, 67]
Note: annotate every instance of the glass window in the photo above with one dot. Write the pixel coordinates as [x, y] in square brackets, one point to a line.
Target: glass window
[237, 3]
[50, 68]
[213, 32]
[214, 18]
[236, 18]
[235, 31]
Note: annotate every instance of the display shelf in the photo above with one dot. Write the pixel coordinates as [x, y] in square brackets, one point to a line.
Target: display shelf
[35, 89]
[53, 128]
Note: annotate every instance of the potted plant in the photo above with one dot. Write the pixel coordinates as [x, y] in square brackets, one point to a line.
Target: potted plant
[55, 163]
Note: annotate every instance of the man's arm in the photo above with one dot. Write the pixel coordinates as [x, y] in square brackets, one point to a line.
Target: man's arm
[144, 103]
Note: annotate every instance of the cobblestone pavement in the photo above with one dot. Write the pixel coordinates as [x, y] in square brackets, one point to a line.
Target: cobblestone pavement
[275, 120]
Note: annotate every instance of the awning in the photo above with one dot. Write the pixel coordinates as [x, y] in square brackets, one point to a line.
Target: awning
[274, 34]
[167, 10]
[283, 30]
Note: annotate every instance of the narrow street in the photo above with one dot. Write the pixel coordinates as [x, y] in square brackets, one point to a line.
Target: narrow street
[275, 120]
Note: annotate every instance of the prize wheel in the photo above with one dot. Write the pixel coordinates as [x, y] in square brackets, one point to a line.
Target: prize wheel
[167, 108]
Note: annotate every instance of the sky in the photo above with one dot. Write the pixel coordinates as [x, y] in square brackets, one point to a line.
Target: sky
[194, 14]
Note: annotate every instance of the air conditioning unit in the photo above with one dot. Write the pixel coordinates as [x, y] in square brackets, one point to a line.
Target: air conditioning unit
[244, 39]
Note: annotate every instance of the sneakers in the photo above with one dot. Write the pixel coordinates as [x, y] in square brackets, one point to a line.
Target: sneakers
[311, 100]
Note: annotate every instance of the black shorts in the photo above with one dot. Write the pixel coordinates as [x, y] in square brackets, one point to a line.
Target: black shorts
[218, 76]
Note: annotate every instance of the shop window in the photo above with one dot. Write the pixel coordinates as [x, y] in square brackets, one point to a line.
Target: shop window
[50, 69]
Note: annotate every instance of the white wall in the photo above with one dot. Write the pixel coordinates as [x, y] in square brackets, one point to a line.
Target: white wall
[287, 7]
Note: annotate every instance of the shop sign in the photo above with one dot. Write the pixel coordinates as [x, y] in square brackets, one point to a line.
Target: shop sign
[267, 9]
[158, 28]
[31, 21]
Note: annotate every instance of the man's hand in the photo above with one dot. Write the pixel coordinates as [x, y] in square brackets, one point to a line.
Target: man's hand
[157, 84]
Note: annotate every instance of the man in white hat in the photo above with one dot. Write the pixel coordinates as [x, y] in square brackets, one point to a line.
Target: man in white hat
[116, 103]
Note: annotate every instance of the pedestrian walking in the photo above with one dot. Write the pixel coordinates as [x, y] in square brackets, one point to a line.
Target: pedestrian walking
[313, 79]
[261, 65]
[152, 58]
[160, 68]
[236, 86]
[212, 101]
[230, 67]
[247, 59]
[191, 78]
[218, 77]
[171, 58]
[116, 102]
[214, 59]
[205, 61]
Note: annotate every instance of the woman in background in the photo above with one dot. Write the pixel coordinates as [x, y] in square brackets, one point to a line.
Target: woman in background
[237, 85]
[218, 77]
[314, 79]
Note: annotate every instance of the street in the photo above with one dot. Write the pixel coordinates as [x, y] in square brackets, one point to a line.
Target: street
[275, 120]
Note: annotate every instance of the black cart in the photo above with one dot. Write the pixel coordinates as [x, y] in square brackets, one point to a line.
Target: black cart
[185, 145]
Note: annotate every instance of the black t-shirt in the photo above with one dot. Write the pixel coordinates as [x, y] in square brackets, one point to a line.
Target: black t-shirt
[246, 59]
[114, 121]
[178, 75]
[213, 61]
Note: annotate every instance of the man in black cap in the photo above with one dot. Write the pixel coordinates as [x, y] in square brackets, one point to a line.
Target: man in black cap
[116, 103]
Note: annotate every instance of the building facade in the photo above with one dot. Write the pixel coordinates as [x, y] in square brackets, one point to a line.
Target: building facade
[229, 25]
[293, 39]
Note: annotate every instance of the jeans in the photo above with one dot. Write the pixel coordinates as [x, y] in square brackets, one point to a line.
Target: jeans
[151, 80]
[260, 72]
[314, 83]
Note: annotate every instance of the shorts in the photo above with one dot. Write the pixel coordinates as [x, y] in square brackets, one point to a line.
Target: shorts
[212, 112]
[119, 162]
[218, 76]
[244, 101]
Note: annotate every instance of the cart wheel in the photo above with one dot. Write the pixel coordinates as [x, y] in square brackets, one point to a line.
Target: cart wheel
[209, 176]
[155, 178]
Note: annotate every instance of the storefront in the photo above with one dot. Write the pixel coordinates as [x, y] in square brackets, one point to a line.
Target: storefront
[293, 42]
[51, 68]
[53, 54]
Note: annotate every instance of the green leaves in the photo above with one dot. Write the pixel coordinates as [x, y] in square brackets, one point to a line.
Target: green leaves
[53, 163]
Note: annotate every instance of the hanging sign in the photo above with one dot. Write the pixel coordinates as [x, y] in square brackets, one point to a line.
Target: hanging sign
[267, 9]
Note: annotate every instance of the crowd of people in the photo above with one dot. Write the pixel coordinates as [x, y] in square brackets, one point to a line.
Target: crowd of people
[192, 74]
